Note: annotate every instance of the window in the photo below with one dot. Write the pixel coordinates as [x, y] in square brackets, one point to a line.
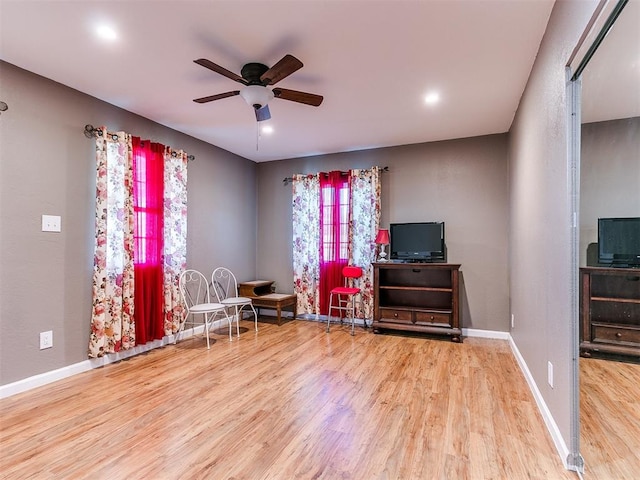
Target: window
[336, 216]
[148, 163]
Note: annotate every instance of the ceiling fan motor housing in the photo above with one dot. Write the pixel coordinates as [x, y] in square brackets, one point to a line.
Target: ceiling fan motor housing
[252, 72]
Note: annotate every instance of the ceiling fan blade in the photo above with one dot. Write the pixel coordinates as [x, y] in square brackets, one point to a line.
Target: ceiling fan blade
[300, 97]
[285, 67]
[263, 114]
[221, 70]
[211, 98]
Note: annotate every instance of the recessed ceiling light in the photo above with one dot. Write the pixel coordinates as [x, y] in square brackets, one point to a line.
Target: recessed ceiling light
[432, 98]
[106, 32]
[267, 129]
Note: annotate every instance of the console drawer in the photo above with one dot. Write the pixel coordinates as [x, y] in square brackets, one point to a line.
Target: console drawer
[433, 318]
[618, 335]
[395, 316]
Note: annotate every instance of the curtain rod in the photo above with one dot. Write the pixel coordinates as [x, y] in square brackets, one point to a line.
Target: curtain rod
[90, 132]
[288, 180]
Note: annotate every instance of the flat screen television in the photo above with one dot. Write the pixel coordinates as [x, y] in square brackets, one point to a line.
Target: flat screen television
[619, 242]
[417, 242]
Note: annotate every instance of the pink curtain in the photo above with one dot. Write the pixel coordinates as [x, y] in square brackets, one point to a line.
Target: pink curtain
[334, 230]
[148, 195]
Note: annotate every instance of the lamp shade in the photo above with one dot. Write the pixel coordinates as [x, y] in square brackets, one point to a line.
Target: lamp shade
[382, 238]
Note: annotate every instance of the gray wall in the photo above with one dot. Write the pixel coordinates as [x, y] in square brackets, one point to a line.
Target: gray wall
[461, 182]
[609, 176]
[540, 235]
[47, 166]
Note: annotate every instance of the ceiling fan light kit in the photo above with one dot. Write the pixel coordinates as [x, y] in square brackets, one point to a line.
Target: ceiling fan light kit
[256, 96]
[255, 77]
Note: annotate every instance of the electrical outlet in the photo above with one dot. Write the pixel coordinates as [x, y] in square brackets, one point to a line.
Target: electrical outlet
[513, 320]
[51, 223]
[550, 374]
[46, 340]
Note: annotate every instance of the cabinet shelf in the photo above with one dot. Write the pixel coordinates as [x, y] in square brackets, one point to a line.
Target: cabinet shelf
[609, 311]
[417, 297]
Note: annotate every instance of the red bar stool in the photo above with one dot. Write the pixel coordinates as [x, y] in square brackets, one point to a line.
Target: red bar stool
[346, 295]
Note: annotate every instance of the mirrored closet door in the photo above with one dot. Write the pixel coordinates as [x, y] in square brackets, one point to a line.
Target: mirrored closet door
[610, 188]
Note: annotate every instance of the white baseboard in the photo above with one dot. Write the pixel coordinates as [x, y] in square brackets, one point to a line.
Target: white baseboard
[556, 436]
[550, 423]
[44, 378]
[466, 332]
[86, 365]
[494, 334]
[312, 317]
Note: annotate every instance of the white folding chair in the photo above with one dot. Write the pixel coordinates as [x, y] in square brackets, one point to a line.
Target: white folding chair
[194, 288]
[224, 285]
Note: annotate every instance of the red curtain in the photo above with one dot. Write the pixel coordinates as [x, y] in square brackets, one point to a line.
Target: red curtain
[148, 194]
[334, 230]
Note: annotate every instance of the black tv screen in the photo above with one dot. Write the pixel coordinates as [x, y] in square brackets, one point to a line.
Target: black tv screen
[418, 242]
[619, 241]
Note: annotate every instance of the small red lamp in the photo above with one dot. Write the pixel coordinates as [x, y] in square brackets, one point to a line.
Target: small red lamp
[382, 239]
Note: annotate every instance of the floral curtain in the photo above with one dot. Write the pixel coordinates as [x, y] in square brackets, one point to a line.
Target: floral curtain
[175, 235]
[306, 242]
[364, 221]
[113, 323]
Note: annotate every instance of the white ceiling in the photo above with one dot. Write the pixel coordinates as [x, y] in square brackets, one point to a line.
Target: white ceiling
[373, 61]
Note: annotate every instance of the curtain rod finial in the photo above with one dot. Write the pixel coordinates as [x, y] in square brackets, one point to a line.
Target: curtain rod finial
[89, 131]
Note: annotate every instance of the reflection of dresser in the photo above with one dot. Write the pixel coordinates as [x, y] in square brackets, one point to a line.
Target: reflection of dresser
[261, 294]
[610, 311]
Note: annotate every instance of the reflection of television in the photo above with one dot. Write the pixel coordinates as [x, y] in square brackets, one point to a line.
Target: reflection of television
[619, 242]
[418, 242]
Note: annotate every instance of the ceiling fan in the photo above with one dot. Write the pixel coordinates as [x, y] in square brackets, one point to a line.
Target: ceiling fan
[256, 77]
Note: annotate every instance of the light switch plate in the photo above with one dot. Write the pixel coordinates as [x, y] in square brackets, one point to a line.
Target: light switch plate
[51, 223]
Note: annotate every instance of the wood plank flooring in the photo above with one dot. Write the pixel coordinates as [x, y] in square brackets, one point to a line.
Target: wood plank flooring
[610, 419]
[288, 402]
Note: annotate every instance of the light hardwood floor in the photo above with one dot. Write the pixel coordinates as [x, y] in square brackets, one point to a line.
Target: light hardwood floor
[610, 419]
[287, 402]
